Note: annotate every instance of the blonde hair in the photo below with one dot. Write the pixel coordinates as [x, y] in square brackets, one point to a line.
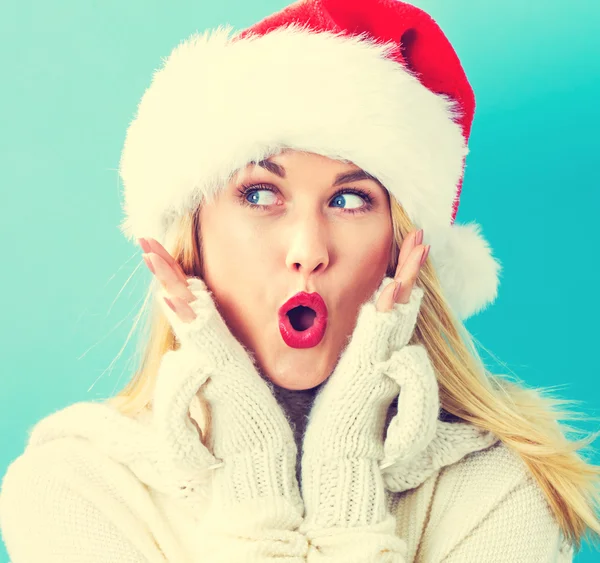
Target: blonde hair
[525, 420]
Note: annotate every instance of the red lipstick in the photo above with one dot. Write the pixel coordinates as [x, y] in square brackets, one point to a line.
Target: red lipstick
[300, 337]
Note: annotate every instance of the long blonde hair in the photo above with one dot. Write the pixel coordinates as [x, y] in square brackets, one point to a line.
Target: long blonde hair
[525, 419]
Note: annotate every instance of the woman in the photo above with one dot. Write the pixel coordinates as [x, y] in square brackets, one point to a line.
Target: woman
[308, 392]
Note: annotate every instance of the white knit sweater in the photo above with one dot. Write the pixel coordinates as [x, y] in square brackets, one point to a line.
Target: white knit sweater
[95, 486]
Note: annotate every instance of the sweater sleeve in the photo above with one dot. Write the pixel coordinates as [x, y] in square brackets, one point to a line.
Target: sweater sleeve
[54, 507]
[520, 528]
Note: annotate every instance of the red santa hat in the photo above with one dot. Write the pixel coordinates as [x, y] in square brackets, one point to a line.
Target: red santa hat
[373, 82]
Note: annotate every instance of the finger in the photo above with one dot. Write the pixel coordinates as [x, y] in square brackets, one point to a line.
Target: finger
[159, 249]
[385, 302]
[386, 298]
[407, 245]
[168, 279]
[409, 274]
[183, 310]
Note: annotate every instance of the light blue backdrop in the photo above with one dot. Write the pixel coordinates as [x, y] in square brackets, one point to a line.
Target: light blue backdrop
[73, 73]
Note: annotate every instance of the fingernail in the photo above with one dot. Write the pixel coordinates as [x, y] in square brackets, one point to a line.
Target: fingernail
[170, 304]
[397, 291]
[419, 237]
[425, 254]
[148, 263]
[144, 244]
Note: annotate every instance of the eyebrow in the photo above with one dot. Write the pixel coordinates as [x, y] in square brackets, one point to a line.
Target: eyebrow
[341, 178]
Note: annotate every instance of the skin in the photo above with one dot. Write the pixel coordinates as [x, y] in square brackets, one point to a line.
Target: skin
[305, 240]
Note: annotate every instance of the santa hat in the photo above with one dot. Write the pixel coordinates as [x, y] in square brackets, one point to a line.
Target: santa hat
[374, 82]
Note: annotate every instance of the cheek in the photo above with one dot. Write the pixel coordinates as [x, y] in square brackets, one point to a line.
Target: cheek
[231, 248]
[369, 264]
[370, 250]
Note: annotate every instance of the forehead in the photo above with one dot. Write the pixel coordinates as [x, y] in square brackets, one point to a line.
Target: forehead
[344, 177]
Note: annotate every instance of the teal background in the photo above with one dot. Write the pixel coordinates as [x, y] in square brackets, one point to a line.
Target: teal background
[73, 73]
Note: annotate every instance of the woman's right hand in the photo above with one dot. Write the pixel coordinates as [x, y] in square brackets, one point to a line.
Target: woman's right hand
[171, 277]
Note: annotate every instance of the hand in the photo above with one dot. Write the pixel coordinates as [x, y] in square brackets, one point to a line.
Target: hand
[255, 488]
[413, 255]
[169, 274]
[343, 447]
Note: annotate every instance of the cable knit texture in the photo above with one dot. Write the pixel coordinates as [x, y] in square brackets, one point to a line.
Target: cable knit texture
[385, 475]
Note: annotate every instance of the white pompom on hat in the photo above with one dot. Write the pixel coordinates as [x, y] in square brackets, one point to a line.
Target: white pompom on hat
[373, 82]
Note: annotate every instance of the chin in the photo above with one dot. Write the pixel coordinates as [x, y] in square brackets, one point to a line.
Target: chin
[296, 370]
[297, 383]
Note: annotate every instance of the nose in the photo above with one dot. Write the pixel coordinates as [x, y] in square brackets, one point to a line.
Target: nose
[308, 248]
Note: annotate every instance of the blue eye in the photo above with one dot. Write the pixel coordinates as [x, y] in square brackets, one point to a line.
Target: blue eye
[342, 197]
[252, 194]
[252, 191]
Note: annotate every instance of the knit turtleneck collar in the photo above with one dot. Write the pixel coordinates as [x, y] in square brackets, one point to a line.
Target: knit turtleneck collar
[296, 404]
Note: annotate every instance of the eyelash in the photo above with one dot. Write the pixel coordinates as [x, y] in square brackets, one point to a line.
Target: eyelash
[245, 189]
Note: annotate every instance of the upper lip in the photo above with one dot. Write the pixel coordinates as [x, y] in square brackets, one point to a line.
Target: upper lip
[312, 300]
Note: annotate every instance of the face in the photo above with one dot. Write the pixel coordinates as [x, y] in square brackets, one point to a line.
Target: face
[300, 232]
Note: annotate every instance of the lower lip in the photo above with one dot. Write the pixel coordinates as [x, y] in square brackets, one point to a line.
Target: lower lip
[302, 339]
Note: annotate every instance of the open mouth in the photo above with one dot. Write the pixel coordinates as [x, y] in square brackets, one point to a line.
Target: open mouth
[303, 320]
[301, 317]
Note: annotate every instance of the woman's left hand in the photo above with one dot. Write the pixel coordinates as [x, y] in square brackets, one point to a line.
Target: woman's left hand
[410, 261]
